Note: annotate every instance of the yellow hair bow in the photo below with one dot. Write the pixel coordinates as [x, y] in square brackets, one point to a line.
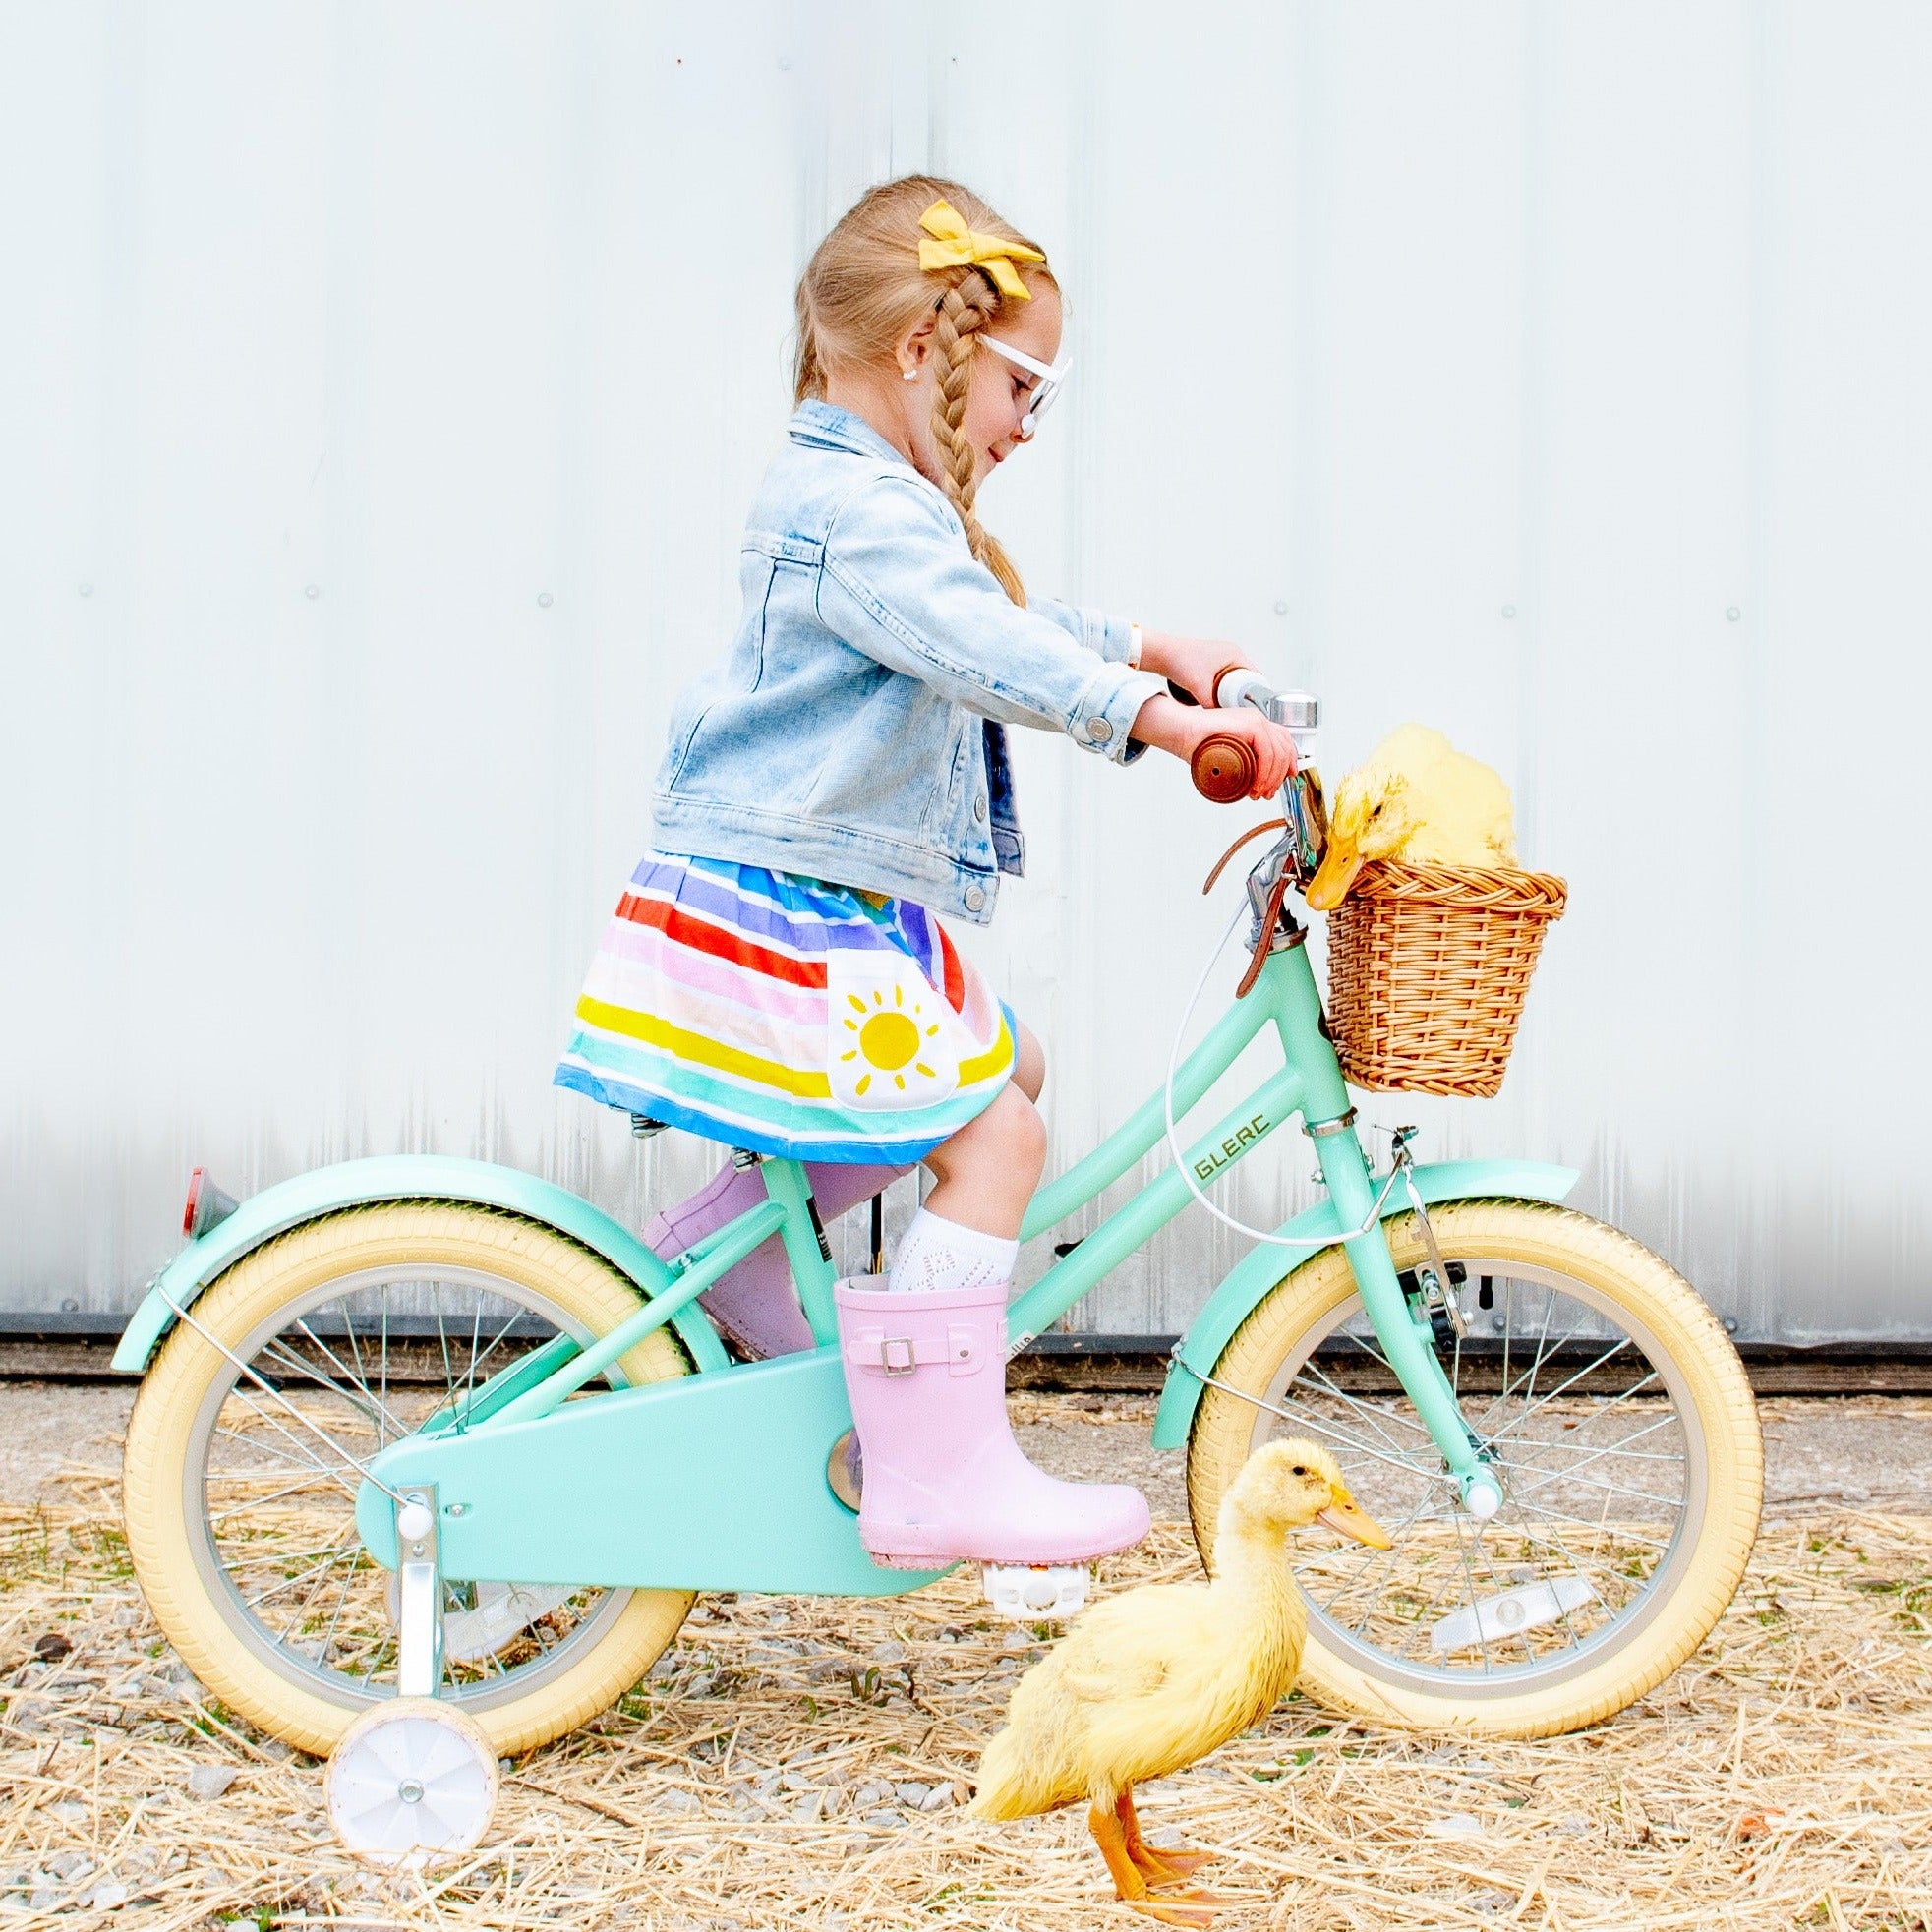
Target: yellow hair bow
[954, 245]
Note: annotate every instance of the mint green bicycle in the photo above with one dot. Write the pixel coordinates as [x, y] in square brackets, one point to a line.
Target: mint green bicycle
[427, 1443]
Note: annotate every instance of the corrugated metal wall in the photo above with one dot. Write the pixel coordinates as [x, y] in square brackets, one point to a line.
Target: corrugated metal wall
[381, 388]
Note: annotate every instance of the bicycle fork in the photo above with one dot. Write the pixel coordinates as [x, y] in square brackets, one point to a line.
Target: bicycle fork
[1407, 1342]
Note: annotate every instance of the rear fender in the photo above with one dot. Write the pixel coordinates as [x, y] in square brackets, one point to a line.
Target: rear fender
[399, 1177]
[1255, 1276]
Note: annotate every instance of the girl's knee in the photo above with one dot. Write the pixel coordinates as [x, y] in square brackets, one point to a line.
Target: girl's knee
[1009, 1138]
[1026, 1131]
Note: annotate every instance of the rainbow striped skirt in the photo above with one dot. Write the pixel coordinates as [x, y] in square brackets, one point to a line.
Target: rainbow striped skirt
[784, 1014]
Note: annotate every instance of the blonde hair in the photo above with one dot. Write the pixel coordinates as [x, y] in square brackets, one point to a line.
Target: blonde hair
[863, 289]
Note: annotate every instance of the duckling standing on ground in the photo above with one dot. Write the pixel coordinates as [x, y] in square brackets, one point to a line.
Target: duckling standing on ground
[1419, 800]
[1149, 1681]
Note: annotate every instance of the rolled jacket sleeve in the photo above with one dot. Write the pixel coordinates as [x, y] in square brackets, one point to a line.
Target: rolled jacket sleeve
[898, 583]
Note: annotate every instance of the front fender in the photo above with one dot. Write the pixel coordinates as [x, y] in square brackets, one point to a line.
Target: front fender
[1242, 1287]
[399, 1177]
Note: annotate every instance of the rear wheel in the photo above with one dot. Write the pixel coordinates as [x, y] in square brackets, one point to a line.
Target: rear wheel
[1616, 1414]
[240, 1482]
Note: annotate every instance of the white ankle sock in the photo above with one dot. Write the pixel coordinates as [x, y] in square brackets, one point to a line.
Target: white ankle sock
[936, 1254]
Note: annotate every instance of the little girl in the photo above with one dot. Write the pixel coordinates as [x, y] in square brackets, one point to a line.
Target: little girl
[774, 978]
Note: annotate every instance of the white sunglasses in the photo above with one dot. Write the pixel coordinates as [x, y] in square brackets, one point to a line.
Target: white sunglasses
[1053, 379]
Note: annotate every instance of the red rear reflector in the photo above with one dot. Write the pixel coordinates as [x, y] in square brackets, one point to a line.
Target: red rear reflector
[208, 1206]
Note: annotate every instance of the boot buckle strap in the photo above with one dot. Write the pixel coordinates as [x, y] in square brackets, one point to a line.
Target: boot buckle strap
[957, 1347]
[892, 1355]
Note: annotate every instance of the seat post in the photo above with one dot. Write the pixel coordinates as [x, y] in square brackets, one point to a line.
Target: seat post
[805, 1245]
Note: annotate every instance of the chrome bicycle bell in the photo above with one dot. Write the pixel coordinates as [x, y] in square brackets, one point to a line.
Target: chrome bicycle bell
[1301, 713]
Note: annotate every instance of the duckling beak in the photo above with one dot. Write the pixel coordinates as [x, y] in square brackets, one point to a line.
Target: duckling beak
[1346, 1515]
[1333, 876]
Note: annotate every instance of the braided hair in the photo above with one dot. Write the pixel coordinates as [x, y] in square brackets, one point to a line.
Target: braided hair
[963, 310]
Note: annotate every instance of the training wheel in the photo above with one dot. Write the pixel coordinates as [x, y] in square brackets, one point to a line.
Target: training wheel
[411, 1781]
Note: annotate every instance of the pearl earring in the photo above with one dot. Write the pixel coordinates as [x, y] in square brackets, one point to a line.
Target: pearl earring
[911, 375]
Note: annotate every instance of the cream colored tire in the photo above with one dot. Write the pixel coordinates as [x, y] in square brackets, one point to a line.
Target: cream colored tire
[168, 1535]
[1724, 1458]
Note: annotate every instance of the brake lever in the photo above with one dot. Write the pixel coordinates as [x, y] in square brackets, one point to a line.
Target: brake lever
[1267, 888]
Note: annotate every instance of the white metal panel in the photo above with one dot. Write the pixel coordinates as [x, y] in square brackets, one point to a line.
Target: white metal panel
[381, 391]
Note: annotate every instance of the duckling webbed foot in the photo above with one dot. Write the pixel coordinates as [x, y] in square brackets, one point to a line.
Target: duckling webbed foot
[1157, 1864]
[1131, 1884]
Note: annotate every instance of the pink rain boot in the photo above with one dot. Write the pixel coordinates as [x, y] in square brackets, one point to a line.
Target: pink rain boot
[945, 1482]
[755, 1302]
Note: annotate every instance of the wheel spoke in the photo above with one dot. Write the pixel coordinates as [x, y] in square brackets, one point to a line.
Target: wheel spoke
[377, 1410]
[303, 1459]
[1597, 1525]
[1315, 1425]
[476, 1366]
[361, 1374]
[1590, 1451]
[261, 1502]
[1588, 1482]
[1371, 1415]
[1536, 1532]
[294, 1618]
[279, 1351]
[325, 1561]
[336, 1472]
[341, 1600]
[1541, 1344]
[1510, 1428]
[442, 1337]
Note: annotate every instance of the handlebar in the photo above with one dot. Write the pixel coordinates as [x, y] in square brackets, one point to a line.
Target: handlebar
[1224, 766]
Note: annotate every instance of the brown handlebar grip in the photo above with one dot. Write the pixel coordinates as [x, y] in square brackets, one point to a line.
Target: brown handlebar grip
[1223, 768]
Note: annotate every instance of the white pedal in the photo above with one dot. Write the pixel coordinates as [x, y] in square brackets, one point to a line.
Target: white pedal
[1019, 1592]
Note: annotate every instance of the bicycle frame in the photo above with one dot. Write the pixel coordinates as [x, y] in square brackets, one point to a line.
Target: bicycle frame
[783, 1523]
[1308, 1083]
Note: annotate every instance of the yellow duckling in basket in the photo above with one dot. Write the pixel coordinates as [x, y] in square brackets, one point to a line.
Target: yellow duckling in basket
[1418, 800]
[1146, 1682]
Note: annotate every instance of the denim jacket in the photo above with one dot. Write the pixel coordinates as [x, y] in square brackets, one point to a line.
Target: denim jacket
[855, 732]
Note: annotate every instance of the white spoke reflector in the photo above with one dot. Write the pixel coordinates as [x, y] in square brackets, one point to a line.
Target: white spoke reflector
[1509, 1613]
[503, 1610]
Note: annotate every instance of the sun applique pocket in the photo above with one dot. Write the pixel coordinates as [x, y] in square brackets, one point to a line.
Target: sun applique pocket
[894, 1042]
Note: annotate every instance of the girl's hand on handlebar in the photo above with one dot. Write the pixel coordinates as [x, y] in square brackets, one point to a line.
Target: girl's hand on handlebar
[1179, 728]
[1193, 662]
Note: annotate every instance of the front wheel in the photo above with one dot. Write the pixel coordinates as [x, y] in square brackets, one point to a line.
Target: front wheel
[1610, 1405]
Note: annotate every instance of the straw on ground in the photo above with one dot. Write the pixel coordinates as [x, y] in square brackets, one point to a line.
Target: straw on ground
[800, 1764]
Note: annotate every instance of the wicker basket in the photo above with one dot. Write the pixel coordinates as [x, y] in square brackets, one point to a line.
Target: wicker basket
[1428, 966]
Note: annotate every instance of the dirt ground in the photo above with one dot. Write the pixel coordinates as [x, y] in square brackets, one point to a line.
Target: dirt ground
[801, 1763]
[1869, 1452]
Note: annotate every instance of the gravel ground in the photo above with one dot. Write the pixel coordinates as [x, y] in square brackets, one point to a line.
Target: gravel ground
[1867, 1451]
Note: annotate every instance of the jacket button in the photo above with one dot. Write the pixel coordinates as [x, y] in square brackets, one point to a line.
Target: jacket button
[1099, 730]
[976, 898]
[979, 810]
